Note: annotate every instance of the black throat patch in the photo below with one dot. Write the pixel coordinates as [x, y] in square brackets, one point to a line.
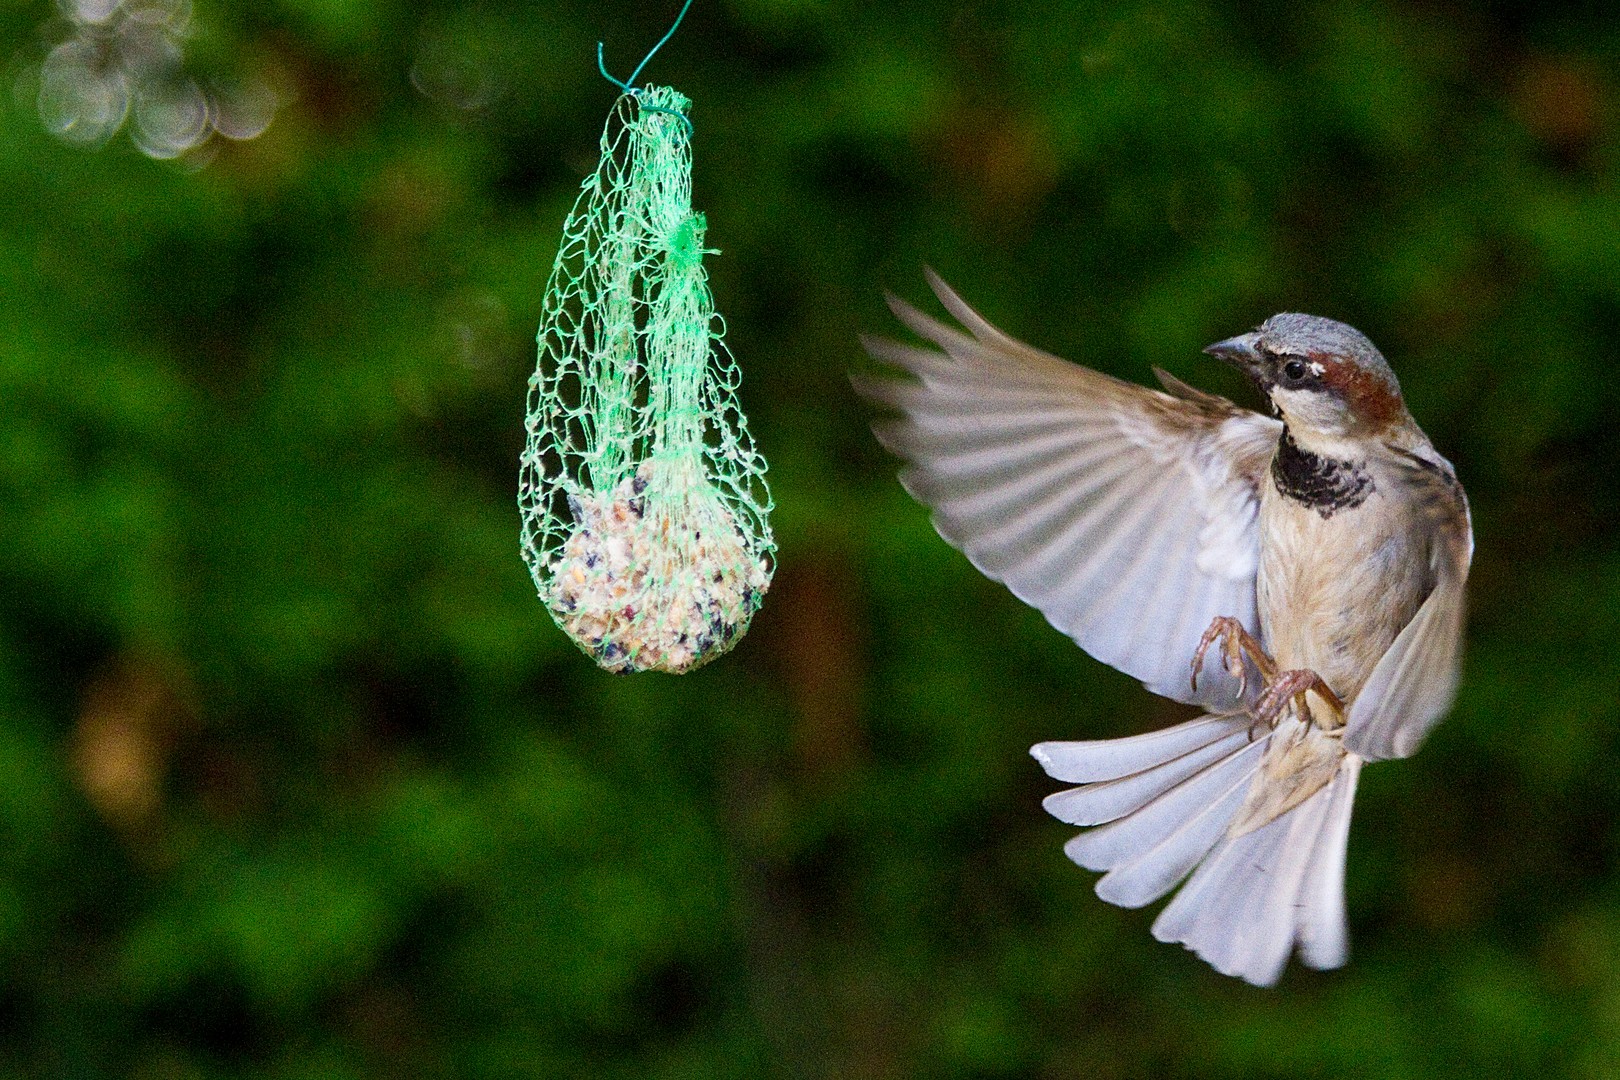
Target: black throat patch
[1325, 485]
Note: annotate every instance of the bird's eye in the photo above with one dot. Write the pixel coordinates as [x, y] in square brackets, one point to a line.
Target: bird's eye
[1294, 370]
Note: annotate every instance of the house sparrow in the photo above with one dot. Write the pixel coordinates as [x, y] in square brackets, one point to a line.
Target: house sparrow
[1317, 558]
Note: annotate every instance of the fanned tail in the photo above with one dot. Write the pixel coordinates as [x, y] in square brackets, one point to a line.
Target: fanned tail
[1165, 805]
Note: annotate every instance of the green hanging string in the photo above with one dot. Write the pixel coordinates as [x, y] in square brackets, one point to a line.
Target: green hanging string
[645, 509]
[629, 85]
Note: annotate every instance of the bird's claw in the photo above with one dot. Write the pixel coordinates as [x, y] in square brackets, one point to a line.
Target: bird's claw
[1294, 686]
[1236, 642]
[1281, 687]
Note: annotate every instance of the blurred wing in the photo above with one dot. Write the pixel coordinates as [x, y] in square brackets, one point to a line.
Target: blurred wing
[1127, 516]
[1414, 682]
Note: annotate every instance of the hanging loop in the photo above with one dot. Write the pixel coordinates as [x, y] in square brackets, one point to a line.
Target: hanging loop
[629, 85]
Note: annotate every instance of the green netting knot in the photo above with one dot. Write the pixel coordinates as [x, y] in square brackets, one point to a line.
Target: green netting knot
[645, 510]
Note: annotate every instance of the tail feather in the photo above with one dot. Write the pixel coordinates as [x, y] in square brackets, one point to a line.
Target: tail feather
[1095, 804]
[1170, 800]
[1238, 911]
[1324, 940]
[1109, 759]
[1123, 840]
[1150, 875]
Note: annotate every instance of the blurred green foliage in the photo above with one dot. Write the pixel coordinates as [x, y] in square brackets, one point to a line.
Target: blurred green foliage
[298, 780]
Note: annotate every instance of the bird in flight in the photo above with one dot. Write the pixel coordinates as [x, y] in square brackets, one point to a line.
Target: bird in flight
[1299, 577]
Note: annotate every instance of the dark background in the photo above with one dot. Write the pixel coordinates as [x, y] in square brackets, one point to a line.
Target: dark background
[297, 778]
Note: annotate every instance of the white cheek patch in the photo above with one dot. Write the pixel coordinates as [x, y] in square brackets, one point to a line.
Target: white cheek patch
[1315, 410]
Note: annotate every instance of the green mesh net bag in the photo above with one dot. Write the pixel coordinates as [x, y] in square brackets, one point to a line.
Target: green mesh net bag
[645, 510]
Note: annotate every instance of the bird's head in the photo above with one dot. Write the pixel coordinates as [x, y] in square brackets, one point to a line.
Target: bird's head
[1323, 377]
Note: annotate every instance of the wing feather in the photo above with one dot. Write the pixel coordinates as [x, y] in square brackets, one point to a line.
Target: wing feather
[1414, 682]
[1126, 515]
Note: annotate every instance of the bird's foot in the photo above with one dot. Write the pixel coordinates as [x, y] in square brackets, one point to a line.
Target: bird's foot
[1236, 642]
[1295, 686]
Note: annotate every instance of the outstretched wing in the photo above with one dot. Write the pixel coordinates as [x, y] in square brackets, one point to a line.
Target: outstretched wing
[1415, 680]
[1126, 515]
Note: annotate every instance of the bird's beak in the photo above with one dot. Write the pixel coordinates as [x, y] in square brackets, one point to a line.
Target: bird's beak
[1240, 352]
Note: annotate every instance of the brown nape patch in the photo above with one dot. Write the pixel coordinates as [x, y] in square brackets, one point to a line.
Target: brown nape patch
[1372, 399]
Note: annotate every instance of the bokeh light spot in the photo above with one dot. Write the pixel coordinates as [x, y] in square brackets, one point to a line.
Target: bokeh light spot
[126, 58]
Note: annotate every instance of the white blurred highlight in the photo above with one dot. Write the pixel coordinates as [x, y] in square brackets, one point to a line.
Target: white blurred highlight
[125, 61]
[77, 102]
[92, 12]
[170, 121]
[243, 111]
